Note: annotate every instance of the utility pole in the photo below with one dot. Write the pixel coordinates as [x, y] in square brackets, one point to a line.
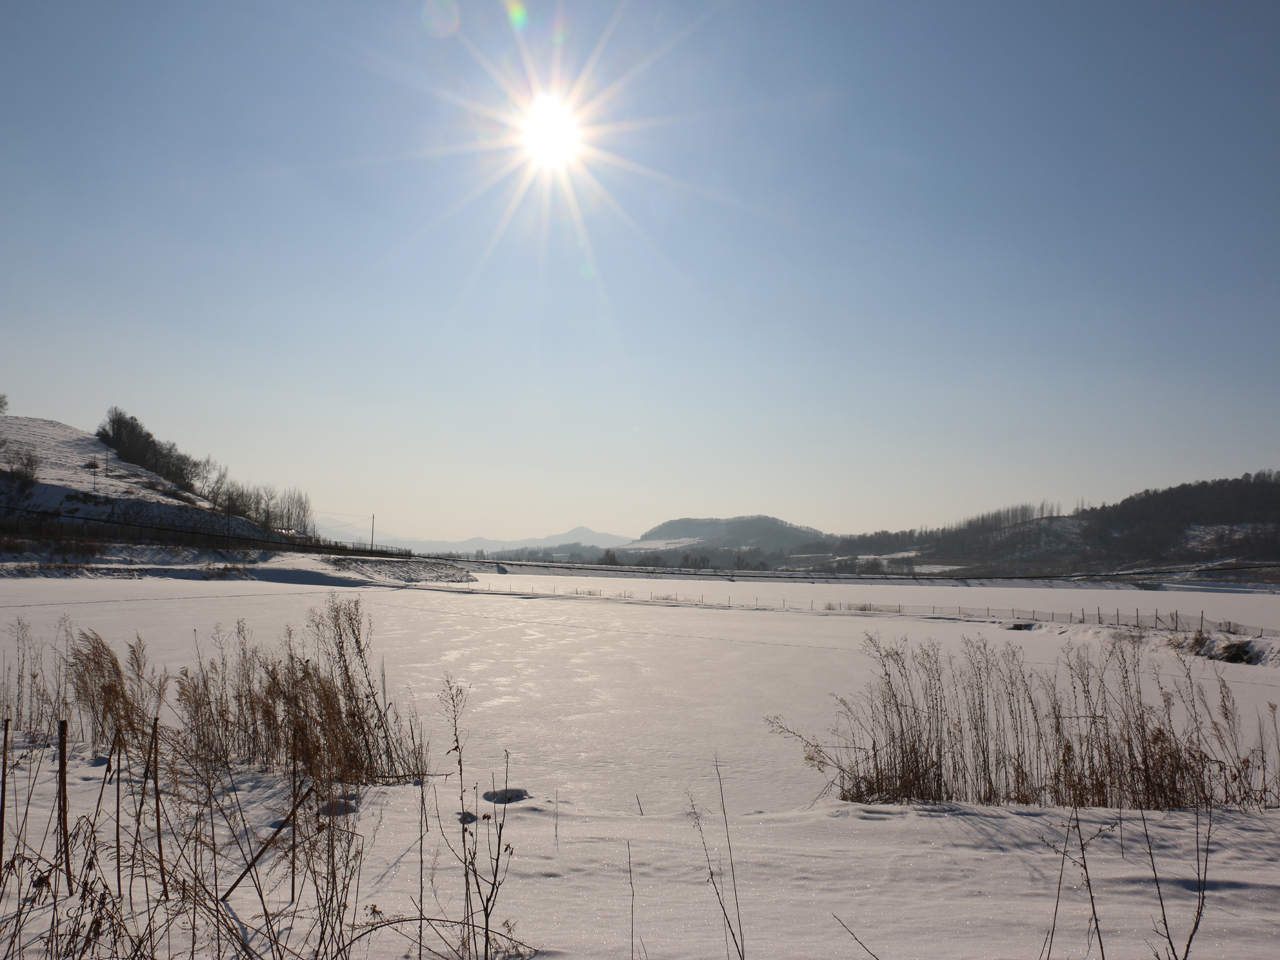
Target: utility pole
[372, 517]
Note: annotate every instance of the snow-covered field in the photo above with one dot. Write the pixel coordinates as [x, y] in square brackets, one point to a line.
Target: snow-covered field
[615, 710]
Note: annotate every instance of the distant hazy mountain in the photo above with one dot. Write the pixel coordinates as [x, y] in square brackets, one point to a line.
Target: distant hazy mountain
[583, 535]
[737, 533]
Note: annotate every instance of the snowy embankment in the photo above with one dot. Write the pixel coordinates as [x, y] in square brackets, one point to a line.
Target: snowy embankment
[615, 711]
[134, 561]
[78, 477]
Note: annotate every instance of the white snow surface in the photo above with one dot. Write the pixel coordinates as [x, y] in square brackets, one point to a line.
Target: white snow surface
[616, 709]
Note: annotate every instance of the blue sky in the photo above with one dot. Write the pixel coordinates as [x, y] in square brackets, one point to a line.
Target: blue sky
[889, 264]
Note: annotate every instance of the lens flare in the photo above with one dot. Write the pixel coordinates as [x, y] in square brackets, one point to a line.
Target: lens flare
[550, 133]
[441, 18]
[518, 14]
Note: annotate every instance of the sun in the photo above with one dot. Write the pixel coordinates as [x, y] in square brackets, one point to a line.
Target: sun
[553, 125]
[550, 135]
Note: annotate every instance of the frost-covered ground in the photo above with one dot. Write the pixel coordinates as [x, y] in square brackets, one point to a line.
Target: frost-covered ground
[615, 709]
[134, 561]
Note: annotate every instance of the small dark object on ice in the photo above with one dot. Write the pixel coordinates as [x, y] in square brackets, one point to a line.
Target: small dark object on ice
[506, 795]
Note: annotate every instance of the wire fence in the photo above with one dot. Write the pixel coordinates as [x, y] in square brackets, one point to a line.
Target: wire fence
[47, 525]
[1176, 620]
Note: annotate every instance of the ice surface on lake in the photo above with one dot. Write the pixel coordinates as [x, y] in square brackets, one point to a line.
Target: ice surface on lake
[611, 704]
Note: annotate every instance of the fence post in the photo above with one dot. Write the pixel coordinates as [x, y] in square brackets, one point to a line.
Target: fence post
[155, 772]
[293, 839]
[4, 785]
[62, 804]
[118, 748]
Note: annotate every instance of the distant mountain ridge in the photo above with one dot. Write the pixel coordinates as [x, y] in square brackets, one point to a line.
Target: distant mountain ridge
[580, 535]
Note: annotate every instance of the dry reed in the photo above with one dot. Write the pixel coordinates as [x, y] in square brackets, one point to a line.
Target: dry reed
[152, 866]
[1102, 729]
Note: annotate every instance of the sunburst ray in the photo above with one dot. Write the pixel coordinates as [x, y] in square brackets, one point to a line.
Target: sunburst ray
[526, 58]
[557, 46]
[474, 106]
[612, 203]
[592, 130]
[631, 166]
[554, 137]
[584, 76]
[494, 74]
[584, 238]
[613, 89]
[516, 199]
[491, 181]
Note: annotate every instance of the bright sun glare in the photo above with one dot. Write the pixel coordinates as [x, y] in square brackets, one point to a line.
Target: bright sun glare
[554, 130]
[550, 133]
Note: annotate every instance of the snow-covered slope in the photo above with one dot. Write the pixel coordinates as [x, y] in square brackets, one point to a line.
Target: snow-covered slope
[68, 486]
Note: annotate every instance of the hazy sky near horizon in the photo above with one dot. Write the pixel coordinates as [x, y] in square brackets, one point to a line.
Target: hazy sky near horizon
[870, 265]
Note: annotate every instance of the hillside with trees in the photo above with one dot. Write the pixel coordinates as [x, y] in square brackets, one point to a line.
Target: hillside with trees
[1194, 523]
[285, 511]
[56, 481]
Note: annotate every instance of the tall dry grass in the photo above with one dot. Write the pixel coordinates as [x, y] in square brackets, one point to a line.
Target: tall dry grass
[1103, 728]
[189, 761]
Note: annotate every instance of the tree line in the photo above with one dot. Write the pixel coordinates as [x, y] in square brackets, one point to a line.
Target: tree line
[972, 537]
[286, 511]
[1238, 516]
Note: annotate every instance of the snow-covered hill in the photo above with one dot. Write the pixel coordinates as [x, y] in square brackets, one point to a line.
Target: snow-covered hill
[77, 476]
[735, 533]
